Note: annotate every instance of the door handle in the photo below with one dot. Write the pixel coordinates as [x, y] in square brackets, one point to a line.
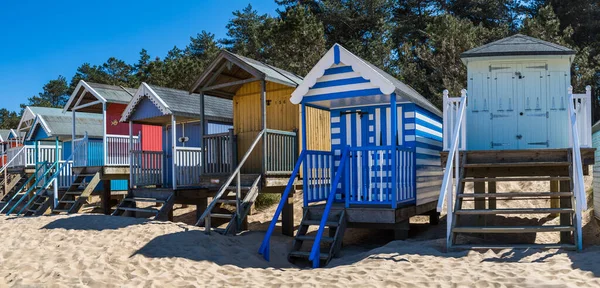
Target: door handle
[519, 136]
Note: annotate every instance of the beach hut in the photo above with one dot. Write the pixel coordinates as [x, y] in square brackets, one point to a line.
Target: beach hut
[519, 121]
[173, 173]
[266, 126]
[383, 163]
[106, 153]
[596, 169]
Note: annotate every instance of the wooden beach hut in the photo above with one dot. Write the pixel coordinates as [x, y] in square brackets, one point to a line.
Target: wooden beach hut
[519, 121]
[266, 126]
[105, 153]
[383, 163]
[173, 173]
[596, 169]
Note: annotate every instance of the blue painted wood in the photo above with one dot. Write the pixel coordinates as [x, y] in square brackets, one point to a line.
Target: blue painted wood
[394, 130]
[336, 54]
[145, 109]
[346, 94]
[338, 70]
[340, 82]
[304, 148]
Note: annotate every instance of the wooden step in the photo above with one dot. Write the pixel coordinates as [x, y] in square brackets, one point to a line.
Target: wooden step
[513, 211]
[242, 188]
[515, 194]
[512, 229]
[227, 201]
[306, 255]
[60, 210]
[512, 246]
[147, 210]
[516, 164]
[67, 201]
[517, 179]
[312, 238]
[221, 215]
[318, 222]
[140, 199]
[73, 192]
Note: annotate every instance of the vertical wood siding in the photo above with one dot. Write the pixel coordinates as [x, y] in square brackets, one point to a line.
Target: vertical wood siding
[428, 144]
[596, 174]
[281, 115]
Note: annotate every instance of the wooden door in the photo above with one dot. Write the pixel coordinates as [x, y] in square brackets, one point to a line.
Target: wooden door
[478, 112]
[533, 109]
[503, 111]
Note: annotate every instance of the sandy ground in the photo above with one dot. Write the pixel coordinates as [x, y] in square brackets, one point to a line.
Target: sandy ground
[105, 251]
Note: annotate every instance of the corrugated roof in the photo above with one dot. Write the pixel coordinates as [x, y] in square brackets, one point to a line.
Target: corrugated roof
[46, 110]
[181, 103]
[113, 94]
[61, 125]
[518, 44]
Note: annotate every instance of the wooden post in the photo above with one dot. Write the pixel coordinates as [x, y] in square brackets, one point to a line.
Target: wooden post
[202, 124]
[394, 151]
[263, 112]
[104, 143]
[491, 189]
[106, 197]
[173, 150]
[565, 219]
[554, 201]
[201, 207]
[287, 216]
[131, 169]
[479, 188]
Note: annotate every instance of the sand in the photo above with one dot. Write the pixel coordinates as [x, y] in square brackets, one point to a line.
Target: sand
[105, 251]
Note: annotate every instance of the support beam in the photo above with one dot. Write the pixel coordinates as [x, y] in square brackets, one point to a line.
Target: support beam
[173, 151]
[201, 207]
[479, 187]
[131, 170]
[106, 197]
[202, 124]
[287, 216]
[263, 113]
[89, 104]
[229, 84]
[104, 148]
[554, 201]
[565, 219]
[491, 189]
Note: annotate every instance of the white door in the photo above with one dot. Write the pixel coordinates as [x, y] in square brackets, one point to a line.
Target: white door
[503, 112]
[533, 107]
[478, 112]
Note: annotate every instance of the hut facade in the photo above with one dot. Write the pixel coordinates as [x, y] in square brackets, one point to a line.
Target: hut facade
[382, 165]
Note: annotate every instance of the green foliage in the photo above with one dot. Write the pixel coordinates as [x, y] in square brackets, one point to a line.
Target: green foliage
[266, 200]
[8, 119]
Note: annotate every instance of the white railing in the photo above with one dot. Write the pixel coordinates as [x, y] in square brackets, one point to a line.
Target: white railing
[17, 156]
[27, 158]
[579, 113]
[188, 166]
[117, 147]
[66, 176]
[146, 168]
[80, 151]
[454, 122]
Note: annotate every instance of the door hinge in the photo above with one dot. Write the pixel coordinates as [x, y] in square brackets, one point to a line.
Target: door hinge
[547, 143]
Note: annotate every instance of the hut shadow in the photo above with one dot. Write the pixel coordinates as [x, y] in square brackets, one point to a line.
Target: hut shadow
[94, 222]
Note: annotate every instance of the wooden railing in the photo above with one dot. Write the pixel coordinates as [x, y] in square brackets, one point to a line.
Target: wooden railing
[219, 153]
[579, 112]
[117, 147]
[454, 110]
[188, 167]
[80, 149]
[146, 168]
[281, 152]
[66, 176]
[17, 156]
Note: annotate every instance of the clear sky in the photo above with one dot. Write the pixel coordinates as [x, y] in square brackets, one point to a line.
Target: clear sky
[42, 39]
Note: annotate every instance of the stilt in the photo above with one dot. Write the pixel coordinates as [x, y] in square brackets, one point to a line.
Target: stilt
[106, 197]
[170, 215]
[201, 207]
[554, 201]
[565, 219]
[491, 189]
[434, 217]
[478, 188]
[401, 231]
[287, 216]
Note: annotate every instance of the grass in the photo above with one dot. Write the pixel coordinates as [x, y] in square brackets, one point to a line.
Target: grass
[265, 200]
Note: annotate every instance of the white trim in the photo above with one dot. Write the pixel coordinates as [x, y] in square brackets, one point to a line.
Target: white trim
[429, 120]
[343, 88]
[87, 87]
[144, 91]
[358, 65]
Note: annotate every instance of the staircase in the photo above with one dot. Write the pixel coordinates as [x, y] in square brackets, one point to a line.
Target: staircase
[332, 244]
[483, 217]
[13, 183]
[73, 199]
[16, 203]
[157, 204]
[233, 207]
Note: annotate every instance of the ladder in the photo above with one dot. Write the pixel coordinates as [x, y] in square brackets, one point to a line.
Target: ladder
[73, 199]
[128, 207]
[16, 202]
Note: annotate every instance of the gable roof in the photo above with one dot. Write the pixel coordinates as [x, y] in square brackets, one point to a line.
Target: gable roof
[385, 82]
[518, 44]
[229, 68]
[181, 103]
[99, 92]
[61, 125]
[4, 135]
[29, 115]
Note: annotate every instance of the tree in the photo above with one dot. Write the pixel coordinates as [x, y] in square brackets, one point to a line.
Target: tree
[9, 119]
[247, 33]
[490, 14]
[55, 94]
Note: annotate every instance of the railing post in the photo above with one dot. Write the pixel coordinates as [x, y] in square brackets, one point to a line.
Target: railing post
[233, 151]
[446, 114]
[588, 116]
[463, 132]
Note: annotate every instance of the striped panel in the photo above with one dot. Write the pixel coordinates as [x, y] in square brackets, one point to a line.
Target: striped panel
[428, 144]
[341, 81]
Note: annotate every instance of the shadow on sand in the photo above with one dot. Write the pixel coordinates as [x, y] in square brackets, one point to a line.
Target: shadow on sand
[94, 222]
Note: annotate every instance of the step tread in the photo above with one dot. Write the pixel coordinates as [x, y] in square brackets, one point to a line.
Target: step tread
[512, 229]
[150, 210]
[312, 238]
[513, 179]
[515, 194]
[73, 192]
[517, 164]
[141, 199]
[512, 246]
[67, 201]
[318, 222]
[306, 255]
[221, 215]
[227, 201]
[514, 211]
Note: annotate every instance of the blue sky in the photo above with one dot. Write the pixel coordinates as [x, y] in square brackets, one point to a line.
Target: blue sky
[40, 40]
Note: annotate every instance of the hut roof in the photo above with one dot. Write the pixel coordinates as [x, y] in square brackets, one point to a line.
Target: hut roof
[518, 44]
[386, 82]
[4, 134]
[93, 92]
[233, 68]
[181, 103]
[61, 125]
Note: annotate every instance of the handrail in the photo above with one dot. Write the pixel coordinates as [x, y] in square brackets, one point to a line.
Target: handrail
[578, 185]
[223, 188]
[316, 248]
[34, 186]
[21, 188]
[265, 246]
[453, 156]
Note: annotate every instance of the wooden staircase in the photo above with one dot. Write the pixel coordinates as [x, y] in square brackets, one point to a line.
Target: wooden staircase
[13, 183]
[484, 217]
[231, 208]
[158, 203]
[73, 199]
[332, 244]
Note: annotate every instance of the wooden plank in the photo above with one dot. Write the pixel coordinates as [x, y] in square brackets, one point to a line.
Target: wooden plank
[565, 219]
[479, 188]
[491, 191]
[515, 195]
[503, 211]
[516, 179]
[106, 197]
[516, 165]
[287, 216]
[555, 201]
